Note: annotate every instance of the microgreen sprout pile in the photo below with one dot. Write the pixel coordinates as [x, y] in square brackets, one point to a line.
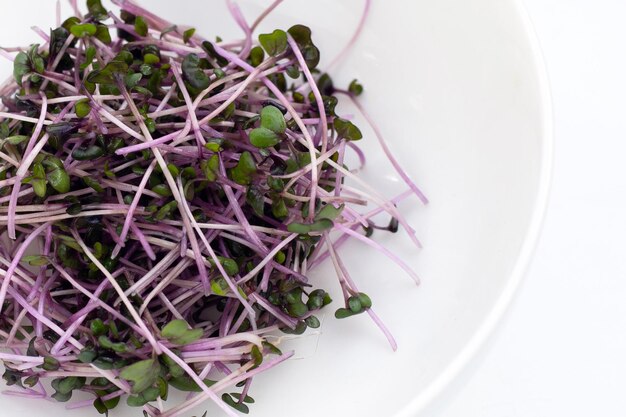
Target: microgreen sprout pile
[163, 199]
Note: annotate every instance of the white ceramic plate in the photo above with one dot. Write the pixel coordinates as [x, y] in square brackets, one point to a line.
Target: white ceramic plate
[459, 90]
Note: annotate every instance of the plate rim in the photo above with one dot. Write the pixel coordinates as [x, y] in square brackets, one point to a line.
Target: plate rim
[478, 341]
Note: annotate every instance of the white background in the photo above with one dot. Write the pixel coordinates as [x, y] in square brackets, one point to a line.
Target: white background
[561, 350]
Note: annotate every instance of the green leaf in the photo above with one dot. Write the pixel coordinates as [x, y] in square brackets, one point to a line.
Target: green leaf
[189, 337]
[87, 355]
[280, 257]
[325, 85]
[329, 212]
[211, 168]
[188, 34]
[143, 398]
[229, 111]
[188, 173]
[39, 171]
[293, 72]
[189, 190]
[100, 77]
[210, 50]
[61, 130]
[103, 34]
[68, 384]
[141, 27]
[58, 37]
[117, 347]
[219, 286]
[100, 407]
[21, 67]
[174, 369]
[355, 88]
[12, 377]
[123, 56]
[150, 124]
[162, 189]
[299, 228]
[154, 83]
[98, 250]
[256, 56]
[88, 153]
[321, 225]
[86, 29]
[15, 140]
[355, 305]
[279, 80]
[318, 299]
[274, 43]
[169, 29]
[98, 327]
[96, 9]
[36, 260]
[145, 68]
[40, 187]
[82, 108]
[276, 184]
[166, 210]
[257, 355]
[263, 138]
[59, 180]
[151, 394]
[174, 329]
[90, 54]
[36, 61]
[311, 56]
[107, 171]
[69, 22]
[365, 300]
[271, 348]
[136, 401]
[347, 130]
[62, 397]
[107, 363]
[90, 182]
[241, 407]
[298, 97]
[112, 403]
[301, 34]
[50, 364]
[193, 74]
[31, 381]
[52, 162]
[297, 309]
[243, 172]
[247, 399]
[186, 384]
[279, 209]
[142, 374]
[313, 322]
[178, 332]
[131, 80]
[214, 145]
[318, 226]
[106, 75]
[163, 388]
[90, 87]
[273, 119]
[150, 59]
[255, 198]
[173, 169]
[343, 313]
[230, 265]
